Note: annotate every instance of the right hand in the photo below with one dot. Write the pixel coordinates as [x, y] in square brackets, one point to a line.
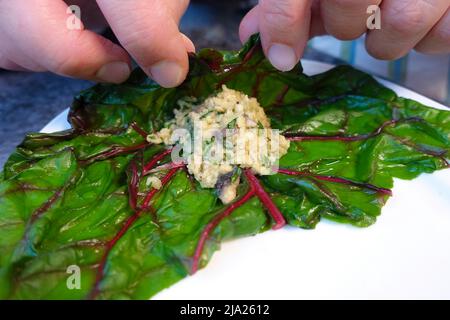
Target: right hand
[286, 25]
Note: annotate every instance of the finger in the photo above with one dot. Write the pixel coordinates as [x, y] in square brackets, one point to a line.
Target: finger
[50, 44]
[249, 24]
[188, 44]
[14, 56]
[438, 39]
[8, 64]
[178, 8]
[316, 27]
[284, 28]
[149, 32]
[403, 24]
[346, 19]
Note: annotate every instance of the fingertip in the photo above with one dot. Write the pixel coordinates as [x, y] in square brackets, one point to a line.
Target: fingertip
[249, 25]
[284, 28]
[189, 45]
[152, 37]
[167, 74]
[244, 31]
[282, 57]
[171, 70]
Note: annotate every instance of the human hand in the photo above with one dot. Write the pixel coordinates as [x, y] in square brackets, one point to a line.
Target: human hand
[286, 25]
[34, 37]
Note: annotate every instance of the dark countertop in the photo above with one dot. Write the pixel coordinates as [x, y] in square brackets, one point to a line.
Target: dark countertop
[28, 101]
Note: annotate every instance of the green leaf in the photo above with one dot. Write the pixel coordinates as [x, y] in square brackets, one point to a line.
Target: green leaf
[84, 196]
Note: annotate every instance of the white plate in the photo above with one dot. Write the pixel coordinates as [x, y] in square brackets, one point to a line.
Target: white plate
[405, 255]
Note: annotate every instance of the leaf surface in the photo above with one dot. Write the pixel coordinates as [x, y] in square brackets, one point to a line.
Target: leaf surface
[82, 197]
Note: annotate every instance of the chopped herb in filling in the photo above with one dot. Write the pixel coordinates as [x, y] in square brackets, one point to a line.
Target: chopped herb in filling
[228, 130]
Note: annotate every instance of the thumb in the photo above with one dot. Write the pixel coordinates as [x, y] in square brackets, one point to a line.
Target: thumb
[148, 30]
[284, 29]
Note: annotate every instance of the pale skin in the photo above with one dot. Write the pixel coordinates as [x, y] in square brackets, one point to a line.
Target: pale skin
[34, 35]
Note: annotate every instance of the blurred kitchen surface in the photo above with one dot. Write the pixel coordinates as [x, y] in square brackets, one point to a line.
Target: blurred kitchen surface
[29, 100]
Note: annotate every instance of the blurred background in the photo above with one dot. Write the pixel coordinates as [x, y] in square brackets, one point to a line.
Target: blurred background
[28, 101]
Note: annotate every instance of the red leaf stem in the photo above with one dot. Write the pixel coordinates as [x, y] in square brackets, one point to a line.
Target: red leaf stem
[336, 180]
[129, 222]
[265, 199]
[139, 130]
[255, 190]
[376, 132]
[154, 161]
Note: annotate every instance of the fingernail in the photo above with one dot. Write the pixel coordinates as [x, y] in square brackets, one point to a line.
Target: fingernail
[167, 73]
[282, 57]
[115, 72]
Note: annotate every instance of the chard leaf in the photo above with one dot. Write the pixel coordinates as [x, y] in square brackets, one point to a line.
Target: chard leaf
[84, 196]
